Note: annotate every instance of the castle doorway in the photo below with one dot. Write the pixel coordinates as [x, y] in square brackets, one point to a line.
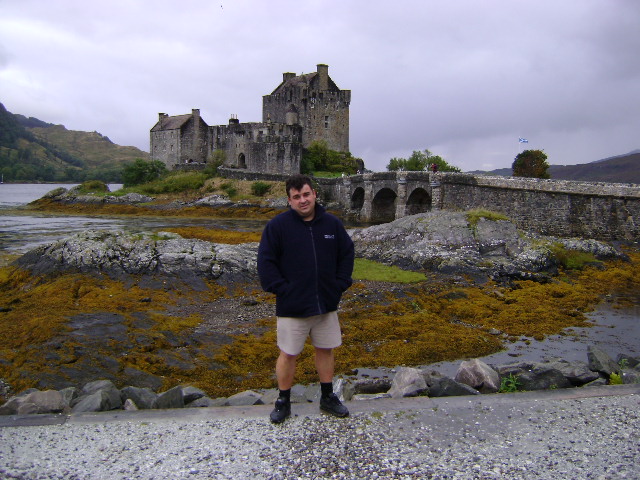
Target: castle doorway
[242, 162]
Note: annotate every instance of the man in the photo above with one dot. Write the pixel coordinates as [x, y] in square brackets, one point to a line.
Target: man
[306, 258]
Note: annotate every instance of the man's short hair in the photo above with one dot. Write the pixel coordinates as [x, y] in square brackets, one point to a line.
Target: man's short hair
[297, 182]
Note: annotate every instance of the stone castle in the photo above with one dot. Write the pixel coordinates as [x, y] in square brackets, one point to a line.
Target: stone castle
[302, 109]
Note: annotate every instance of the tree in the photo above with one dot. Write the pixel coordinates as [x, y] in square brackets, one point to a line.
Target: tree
[419, 161]
[320, 158]
[140, 172]
[532, 164]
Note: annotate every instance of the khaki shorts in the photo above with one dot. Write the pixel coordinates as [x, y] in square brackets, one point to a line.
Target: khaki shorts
[324, 331]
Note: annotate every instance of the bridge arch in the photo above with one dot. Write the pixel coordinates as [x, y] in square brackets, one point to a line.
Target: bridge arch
[357, 199]
[383, 206]
[419, 201]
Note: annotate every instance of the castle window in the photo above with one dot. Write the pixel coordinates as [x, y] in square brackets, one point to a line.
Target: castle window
[326, 121]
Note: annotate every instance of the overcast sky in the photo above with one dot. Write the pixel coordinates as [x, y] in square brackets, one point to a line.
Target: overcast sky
[465, 79]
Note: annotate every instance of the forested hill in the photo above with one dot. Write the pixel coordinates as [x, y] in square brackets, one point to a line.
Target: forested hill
[32, 150]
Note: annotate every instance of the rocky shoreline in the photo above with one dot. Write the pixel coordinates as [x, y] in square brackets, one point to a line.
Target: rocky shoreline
[474, 377]
[446, 243]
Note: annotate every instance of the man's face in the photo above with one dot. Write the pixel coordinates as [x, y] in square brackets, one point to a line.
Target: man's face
[303, 201]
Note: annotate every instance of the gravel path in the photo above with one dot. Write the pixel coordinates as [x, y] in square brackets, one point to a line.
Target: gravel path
[575, 434]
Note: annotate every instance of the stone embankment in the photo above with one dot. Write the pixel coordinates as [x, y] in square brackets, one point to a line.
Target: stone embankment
[474, 377]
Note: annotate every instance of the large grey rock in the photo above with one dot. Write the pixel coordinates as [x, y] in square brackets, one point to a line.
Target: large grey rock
[447, 242]
[578, 373]
[108, 388]
[191, 394]
[247, 397]
[142, 397]
[172, 398]
[99, 401]
[600, 361]
[407, 382]
[478, 375]
[116, 253]
[448, 387]
[535, 376]
[49, 401]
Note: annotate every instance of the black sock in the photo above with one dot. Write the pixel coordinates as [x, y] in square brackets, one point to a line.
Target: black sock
[326, 388]
[286, 394]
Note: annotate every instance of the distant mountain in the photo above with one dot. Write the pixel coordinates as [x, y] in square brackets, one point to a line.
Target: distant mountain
[33, 150]
[618, 169]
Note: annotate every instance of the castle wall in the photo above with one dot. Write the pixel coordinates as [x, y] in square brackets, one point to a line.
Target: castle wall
[193, 142]
[165, 147]
[259, 147]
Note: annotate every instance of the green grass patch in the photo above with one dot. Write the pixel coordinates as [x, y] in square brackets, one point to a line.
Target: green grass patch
[373, 271]
[174, 183]
[474, 216]
[572, 259]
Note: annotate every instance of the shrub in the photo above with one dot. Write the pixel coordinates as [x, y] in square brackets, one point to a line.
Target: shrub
[93, 186]
[176, 183]
[509, 384]
[260, 188]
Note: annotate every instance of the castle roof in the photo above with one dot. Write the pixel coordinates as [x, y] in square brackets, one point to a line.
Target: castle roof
[171, 123]
[304, 80]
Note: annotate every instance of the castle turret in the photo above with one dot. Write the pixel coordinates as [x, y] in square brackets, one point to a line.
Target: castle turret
[323, 76]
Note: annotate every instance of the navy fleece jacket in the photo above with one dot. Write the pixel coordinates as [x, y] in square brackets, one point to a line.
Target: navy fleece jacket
[308, 265]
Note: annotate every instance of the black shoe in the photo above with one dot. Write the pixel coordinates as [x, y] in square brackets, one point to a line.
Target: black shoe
[330, 404]
[281, 411]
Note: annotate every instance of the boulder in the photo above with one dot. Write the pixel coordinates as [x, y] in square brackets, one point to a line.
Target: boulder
[600, 361]
[143, 398]
[447, 242]
[172, 398]
[447, 387]
[535, 376]
[116, 253]
[99, 401]
[191, 394]
[478, 375]
[108, 388]
[248, 397]
[407, 382]
[578, 373]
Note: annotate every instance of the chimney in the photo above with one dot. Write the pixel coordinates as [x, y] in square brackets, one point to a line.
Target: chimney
[323, 76]
[195, 112]
[287, 76]
[162, 117]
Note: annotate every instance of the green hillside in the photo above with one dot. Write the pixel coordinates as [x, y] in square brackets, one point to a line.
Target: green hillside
[32, 150]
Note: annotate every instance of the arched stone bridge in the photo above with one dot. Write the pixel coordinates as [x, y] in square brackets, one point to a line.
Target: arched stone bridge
[607, 211]
[383, 197]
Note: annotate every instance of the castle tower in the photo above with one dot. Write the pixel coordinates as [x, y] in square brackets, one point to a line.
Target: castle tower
[322, 108]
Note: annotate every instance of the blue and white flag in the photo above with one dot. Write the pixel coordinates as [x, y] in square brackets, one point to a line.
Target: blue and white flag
[523, 140]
